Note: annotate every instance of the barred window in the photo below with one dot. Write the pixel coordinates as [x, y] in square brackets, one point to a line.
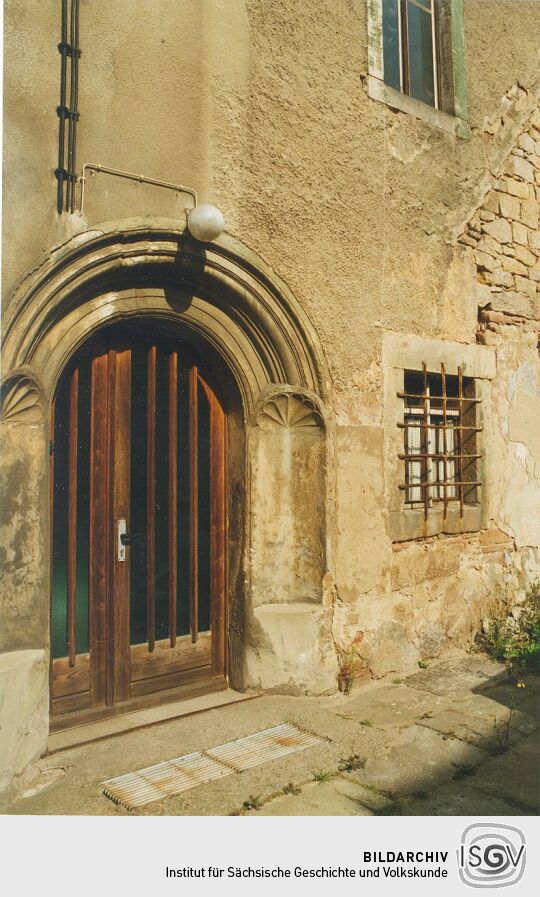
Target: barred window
[440, 440]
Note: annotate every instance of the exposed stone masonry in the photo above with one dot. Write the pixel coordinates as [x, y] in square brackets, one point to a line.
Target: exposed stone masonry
[505, 238]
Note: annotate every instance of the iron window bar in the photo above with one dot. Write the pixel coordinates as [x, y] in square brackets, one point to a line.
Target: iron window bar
[434, 463]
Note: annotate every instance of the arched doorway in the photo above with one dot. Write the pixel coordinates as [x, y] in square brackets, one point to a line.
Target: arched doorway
[138, 445]
[264, 364]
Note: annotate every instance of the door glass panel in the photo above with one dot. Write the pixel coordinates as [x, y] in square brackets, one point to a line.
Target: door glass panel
[61, 522]
[83, 509]
[182, 605]
[137, 525]
[203, 546]
[161, 509]
[60, 527]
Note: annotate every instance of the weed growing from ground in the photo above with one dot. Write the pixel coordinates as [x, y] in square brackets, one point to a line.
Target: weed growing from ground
[254, 802]
[324, 775]
[291, 788]
[349, 764]
[502, 732]
[511, 631]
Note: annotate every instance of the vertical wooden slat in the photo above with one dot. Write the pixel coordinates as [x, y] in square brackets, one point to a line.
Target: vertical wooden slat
[109, 560]
[193, 505]
[51, 535]
[99, 527]
[173, 493]
[217, 535]
[151, 499]
[120, 658]
[72, 516]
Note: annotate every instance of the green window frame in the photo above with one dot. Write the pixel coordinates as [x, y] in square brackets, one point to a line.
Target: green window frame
[416, 56]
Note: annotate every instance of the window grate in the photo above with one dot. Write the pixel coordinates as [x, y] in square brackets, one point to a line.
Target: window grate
[440, 440]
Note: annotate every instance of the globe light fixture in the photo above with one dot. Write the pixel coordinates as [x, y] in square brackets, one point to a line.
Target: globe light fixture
[205, 222]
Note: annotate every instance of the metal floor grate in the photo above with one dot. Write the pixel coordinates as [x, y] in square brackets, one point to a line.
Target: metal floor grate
[174, 776]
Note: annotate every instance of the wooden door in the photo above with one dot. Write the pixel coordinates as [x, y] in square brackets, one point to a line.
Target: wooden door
[138, 519]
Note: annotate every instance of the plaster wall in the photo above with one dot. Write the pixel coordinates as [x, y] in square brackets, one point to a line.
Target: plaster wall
[370, 218]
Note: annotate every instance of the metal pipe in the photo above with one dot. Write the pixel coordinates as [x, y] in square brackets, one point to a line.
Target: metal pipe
[117, 172]
[60, 173]
[75, 102]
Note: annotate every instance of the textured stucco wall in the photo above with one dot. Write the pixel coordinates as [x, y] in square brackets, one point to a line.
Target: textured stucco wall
[262, 106]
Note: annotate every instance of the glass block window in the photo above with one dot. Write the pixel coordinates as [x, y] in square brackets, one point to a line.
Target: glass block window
[411, 48]
[439, 440]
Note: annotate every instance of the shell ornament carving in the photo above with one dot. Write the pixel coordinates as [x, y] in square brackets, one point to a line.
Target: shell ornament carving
[289, 410]
[21, 403]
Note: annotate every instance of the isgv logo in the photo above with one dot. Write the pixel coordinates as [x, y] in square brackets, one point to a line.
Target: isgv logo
[491, 855]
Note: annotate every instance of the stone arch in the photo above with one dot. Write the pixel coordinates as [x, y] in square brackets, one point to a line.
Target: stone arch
[235, 305]
[222, 291]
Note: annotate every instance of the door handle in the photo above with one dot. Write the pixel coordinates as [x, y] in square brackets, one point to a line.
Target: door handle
[120, 544]
[130, 538]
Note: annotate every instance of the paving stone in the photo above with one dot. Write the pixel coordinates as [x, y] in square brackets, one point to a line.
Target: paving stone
[450, 677]
[393, 705]
[486, 730]
[515, 776]
[334, 798]
[460, 799]
[418, 762]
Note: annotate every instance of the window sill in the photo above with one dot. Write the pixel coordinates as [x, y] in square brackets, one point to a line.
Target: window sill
[378, 90]
[409, 523]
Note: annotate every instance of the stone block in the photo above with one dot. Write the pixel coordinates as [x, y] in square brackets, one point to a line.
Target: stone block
[520, 233]
[534, 273]
[510, 206]
[517, 188]
[294, 651]
[483, 260]
[534, 240]
[24, 711]
[489, 245]
[388, 649]
[513, 266]
[502, 279]
[521, 168]
[526, 286]
[499, 229]
[512, 302]
[529, 213]
[523, 255]
[526, 143]
[491, 203]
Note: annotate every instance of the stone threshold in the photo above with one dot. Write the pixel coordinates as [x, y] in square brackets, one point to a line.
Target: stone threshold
[127, 722]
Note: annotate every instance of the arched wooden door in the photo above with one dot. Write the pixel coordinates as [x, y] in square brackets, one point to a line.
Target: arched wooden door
[138, 522]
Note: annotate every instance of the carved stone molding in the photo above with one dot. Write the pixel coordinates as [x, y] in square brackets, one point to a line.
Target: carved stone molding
[289, 410]
[21, 402]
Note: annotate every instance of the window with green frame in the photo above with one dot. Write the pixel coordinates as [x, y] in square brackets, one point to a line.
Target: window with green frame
[417, 50]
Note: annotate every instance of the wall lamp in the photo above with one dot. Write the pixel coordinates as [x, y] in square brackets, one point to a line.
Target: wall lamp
[205, 222]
